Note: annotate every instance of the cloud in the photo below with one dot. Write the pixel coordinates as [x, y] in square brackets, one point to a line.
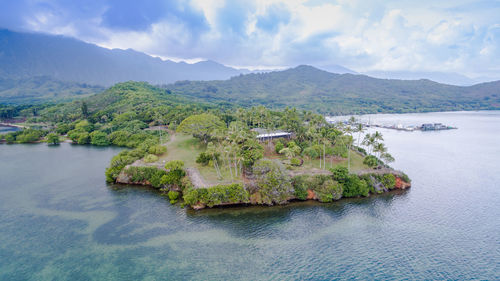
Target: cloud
[459, 36]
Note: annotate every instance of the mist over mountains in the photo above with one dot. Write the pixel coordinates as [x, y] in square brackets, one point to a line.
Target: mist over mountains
[38, 67]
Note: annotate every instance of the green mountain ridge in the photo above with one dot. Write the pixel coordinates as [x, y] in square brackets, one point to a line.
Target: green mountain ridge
[309, 88]
[42, 89]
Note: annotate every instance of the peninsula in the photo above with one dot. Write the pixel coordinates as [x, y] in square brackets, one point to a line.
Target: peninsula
[207, 155]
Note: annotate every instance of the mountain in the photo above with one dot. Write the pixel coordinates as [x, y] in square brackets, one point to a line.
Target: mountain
[26, 55]
[306, 87]
[335, 68]
[42, 89]
[441, 77]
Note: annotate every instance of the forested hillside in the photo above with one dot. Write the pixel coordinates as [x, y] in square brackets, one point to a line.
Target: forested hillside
[43, 89]
[306, 87]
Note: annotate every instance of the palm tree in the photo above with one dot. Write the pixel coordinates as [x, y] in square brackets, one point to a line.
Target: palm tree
[380, 148]
[369, 141]
[359, 129]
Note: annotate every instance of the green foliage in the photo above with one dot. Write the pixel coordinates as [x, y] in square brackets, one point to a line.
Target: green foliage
[53, 138]
[273, 182]
[251, 151]
[323, 186]
[311, 152]
[157, 149]
[354, 186]
[173, 196]
[99, 138]
[174, 178]
[295, 162]
[278, 146]
[389, 181]
[405, 178]
[139, 174]
[174, 165]
[300, 186]
[150, 158]
[63, 129]
[203, 126]
[10, 138]
[216, 195]
[83, 138]
[309, 88]
[370, 161]
[340, 174]
[328, 191]
[203, 158]
[29, 135]
[84, 126]
[340, 150]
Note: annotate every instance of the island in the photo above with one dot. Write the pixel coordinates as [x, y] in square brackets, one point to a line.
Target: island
[207, 155]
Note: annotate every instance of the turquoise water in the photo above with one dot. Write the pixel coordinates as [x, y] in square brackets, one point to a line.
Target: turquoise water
[59, 220]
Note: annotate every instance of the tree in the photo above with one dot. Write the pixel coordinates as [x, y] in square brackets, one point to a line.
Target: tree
[53, 138]
[85, 110]
[203, 126]
[99, 138]
[387, 157]
[10, 138]
[359, 129]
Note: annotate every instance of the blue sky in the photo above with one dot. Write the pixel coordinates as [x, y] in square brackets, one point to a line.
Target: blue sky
[450, 36]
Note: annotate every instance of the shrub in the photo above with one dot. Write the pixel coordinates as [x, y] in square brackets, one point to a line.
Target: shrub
[354, 186]
[216, 195]
[152, 175]
[84, 126]
[174, 165]
[295, 162]
[99, 138]
[389, 181]
[311, 152]
[10, 138]
[273, 182]
[150, 158]
[203, 159]
[157, 149]
[29, 135]
[299, 184]
[173, 196]
[278, 146]
[63, 129]
[370, 161]
[53, 138]
[83, 138]
[328, 191]
[340, 174]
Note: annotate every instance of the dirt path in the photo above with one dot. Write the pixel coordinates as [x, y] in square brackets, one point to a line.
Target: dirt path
[196, 178]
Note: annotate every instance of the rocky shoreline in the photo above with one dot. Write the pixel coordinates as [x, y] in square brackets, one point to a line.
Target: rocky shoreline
[254, 195]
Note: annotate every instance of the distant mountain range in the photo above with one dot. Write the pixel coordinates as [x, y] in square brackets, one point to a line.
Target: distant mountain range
[25, 55]
[313, 89]
[37, 67]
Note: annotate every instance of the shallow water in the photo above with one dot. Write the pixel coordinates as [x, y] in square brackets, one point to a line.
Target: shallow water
[59, 219]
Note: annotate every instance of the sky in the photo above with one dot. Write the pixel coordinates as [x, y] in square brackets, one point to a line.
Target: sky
[459, 36]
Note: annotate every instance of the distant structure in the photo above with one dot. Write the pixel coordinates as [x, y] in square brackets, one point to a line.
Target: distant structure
[264, 134]
[434, 127]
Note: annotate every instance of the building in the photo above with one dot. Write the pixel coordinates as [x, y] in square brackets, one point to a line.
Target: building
[264, 134]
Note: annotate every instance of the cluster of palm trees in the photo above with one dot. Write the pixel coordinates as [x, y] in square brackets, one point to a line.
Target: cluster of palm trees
[375, 146]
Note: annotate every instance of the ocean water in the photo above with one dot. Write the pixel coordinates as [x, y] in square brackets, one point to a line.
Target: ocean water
[59, 220]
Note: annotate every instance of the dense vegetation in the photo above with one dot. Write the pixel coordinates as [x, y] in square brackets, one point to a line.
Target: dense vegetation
[308, 88]
[43, 89]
